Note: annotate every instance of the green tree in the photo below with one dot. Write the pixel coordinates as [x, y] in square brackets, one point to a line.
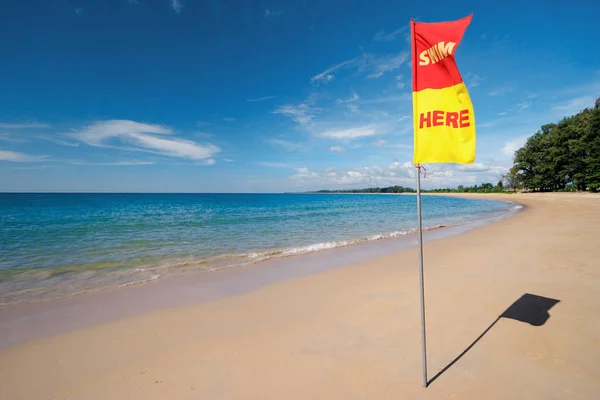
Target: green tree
[561, 154]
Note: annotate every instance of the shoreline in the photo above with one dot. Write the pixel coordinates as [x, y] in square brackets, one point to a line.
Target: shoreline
[351, 332]
[146, 274]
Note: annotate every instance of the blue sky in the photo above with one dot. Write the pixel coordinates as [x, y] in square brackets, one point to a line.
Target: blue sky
[268, 96]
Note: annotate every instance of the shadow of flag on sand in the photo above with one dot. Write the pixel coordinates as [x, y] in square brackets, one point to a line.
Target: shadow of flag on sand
[529, 308]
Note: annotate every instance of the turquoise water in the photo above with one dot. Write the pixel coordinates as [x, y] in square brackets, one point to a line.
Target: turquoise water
[60, 244]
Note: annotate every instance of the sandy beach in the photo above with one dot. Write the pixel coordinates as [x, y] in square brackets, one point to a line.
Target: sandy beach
[354, 332]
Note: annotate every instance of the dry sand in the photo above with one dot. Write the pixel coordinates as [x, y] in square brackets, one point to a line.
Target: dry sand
[353, 332]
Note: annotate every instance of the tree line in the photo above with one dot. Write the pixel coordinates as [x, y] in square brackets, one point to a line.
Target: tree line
[483, 188]
[389, 189]
[563, 156]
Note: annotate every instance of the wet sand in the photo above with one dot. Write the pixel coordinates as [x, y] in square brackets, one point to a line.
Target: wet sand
[354, 331]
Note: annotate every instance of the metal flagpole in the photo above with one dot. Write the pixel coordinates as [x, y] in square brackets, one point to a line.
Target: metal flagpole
[422, 284]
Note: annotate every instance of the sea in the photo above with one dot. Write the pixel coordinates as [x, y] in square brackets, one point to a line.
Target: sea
[58, 245]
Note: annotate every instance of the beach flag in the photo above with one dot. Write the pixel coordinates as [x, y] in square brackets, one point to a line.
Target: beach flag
[444, 120]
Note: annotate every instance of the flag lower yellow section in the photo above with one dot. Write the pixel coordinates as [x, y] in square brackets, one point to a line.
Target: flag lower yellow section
[444, 126]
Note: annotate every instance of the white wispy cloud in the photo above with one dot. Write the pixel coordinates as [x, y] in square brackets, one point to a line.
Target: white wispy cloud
[5, 137]
[351, 133]
[382, 36]
[447, 175]
[349, 102]
[132, 162]
[399, 146]
[21, 137]
[273, 13]
[33, 167]
[397, 173]
[115, 163]
[261, 98]
[472, 80]
[502, 113]
[397, 98]
[176, 5]
[575, 105]
[301, 113]
[475, 167]
[289, 146]
[378, 65]
[399, 83]
[354, 97]
[336, 149]
[379, 143]
[228, 160]
[99, 131]
[522, 106]
[513, 145]
[328, 74]
[23, 126]
[142, 137]
[57, 140]
[228, 119]
[353, 177]
[13, 156]
[353, 108]
[276, 165]
[501, 91]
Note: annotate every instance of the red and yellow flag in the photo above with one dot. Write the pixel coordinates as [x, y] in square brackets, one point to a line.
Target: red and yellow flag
[444, 120]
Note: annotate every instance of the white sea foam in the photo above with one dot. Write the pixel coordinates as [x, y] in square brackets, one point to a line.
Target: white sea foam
[149, 279]
[311, 248]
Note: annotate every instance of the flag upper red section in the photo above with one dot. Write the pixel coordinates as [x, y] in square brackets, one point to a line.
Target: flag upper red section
[433, 48]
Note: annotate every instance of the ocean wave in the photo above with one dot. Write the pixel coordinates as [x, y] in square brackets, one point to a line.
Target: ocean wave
[316, 247]
[311, 248]
[32, 286]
